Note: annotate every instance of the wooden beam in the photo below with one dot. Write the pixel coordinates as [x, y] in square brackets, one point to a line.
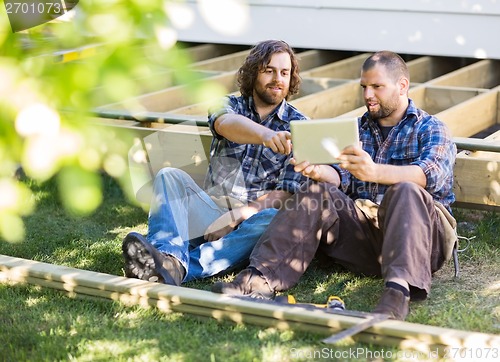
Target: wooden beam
[330, 102]
[426, 68]
[170, 98]
[483, 74]
[171, 298]
[224, 63]
[436, 99]
[473, 115]
[310, 59]
[162, 77]
[343, 69]
[203, 52]
[477, 177]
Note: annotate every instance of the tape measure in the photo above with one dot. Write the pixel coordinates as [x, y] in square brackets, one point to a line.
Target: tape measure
[333, 302]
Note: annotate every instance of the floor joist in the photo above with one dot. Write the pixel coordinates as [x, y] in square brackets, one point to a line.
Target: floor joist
[463, 92]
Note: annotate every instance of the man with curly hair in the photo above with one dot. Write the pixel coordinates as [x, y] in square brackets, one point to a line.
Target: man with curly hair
[196, 233]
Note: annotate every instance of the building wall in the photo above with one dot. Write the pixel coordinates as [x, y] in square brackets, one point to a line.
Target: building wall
[459, 28]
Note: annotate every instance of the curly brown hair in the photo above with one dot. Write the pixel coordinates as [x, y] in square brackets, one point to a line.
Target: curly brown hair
[259, 58]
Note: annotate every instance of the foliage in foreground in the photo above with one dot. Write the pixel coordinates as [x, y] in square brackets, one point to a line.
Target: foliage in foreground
[45, 104]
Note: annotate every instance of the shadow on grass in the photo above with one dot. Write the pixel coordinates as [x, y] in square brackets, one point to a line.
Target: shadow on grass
[63, 329]
[92, 242]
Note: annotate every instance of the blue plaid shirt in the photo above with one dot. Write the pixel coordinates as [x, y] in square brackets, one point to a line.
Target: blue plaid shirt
[419, 139]
[248, 171]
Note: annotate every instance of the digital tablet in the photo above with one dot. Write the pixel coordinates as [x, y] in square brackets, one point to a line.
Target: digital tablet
[319, 140]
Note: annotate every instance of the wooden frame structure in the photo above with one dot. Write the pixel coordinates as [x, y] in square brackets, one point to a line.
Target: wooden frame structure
[462, 92]
[172, 131]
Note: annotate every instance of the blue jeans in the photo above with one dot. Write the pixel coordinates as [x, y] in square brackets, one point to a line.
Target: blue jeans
[180, 214]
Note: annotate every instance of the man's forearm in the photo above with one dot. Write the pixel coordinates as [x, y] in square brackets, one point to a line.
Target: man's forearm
[240, 129]
[390, 174]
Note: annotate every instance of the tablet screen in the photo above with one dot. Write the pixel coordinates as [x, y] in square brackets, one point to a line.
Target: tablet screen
[311, 138]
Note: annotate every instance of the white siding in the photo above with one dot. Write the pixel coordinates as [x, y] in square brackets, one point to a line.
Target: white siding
[460, 28]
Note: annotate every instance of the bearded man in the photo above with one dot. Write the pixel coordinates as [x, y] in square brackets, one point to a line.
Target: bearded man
[196, 233]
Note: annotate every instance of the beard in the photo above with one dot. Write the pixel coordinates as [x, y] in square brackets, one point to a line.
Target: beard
[267, 96]
[384, 110]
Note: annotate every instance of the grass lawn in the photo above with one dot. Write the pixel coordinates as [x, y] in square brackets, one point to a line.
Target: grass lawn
[40, 324]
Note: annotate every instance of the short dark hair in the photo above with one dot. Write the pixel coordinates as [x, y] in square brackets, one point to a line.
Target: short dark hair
[258, 59]
[394, 64]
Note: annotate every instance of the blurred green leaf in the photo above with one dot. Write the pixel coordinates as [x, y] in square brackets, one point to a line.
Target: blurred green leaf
[80, 190]
[51, 78]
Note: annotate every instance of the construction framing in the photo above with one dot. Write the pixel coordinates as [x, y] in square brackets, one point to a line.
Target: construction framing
[462, 92]
[171, 130]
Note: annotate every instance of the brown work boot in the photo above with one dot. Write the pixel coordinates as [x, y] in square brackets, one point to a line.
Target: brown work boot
[393, 303]
[249, 283]
[144, 261]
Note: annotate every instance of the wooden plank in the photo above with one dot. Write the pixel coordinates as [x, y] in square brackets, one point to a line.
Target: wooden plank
[166, 306]
[203, 52]
[426, 68]
[471, 116]
[343, 69]
[170, 98]
[315, 58]
[420, 69]
[158, 79]
[161, 77]
[172, 297]
[436, 99]
[358, 112]
[331, 102]
[314, 85]
[483, 74]
[439, 99]
[184, 146]
[225, 63]
[477, 183]
[197, 109]
[477, 177]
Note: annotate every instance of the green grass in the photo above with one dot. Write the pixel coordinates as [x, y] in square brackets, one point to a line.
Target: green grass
[40, 324]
